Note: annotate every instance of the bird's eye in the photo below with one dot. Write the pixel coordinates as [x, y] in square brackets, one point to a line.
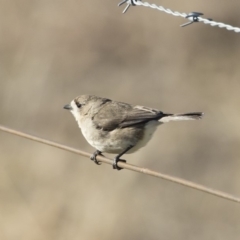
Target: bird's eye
[78, 104]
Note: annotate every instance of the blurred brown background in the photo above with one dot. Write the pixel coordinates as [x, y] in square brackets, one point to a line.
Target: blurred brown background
[52, 51]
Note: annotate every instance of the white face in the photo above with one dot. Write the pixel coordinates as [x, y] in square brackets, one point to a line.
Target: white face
[75, 111]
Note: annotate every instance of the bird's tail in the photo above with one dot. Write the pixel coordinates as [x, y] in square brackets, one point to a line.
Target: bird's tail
[179, 117]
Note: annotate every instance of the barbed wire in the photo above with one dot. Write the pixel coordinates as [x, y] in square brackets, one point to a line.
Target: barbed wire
[193, 17]
[126, 165]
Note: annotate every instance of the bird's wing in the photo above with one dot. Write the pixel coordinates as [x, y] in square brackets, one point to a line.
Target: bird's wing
[114, 115]
[140, 114]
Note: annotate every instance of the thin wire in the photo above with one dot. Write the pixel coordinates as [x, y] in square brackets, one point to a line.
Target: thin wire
[184, 15]
[126, 166]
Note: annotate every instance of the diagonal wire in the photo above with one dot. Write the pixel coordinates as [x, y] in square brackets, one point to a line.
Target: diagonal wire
[178, 14]
[126, 166]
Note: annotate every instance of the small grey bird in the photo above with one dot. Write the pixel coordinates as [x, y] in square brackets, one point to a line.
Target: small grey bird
[117, 127]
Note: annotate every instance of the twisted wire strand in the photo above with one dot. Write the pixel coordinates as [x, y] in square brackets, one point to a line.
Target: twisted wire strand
[184, 15]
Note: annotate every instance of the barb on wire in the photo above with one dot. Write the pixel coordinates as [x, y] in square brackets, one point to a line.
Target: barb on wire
[129, 3]
[194, 16]
[126, 166]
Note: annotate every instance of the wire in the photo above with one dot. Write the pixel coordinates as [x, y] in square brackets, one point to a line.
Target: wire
[178, 14]
[126, 165]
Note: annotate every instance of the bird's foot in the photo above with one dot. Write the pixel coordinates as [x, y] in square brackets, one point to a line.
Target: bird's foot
[115, 162]
[94, 155]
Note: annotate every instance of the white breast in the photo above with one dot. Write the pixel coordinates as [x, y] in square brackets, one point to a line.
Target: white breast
[150, 128]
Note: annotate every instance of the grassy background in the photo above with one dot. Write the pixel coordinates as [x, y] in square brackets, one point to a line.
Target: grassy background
[52, 51]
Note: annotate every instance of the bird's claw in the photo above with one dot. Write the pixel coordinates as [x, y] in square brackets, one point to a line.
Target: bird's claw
[115, 163]
[94, 155]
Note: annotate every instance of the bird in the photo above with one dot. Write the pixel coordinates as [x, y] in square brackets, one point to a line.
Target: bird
[117, 127]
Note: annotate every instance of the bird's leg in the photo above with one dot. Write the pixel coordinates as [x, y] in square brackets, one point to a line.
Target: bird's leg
[117, 158]
[94, 155]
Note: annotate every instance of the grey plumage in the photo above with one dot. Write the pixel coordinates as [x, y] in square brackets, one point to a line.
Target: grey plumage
[117, 127]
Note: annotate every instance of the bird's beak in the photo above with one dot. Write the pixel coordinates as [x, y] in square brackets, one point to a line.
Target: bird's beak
[68, 107]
